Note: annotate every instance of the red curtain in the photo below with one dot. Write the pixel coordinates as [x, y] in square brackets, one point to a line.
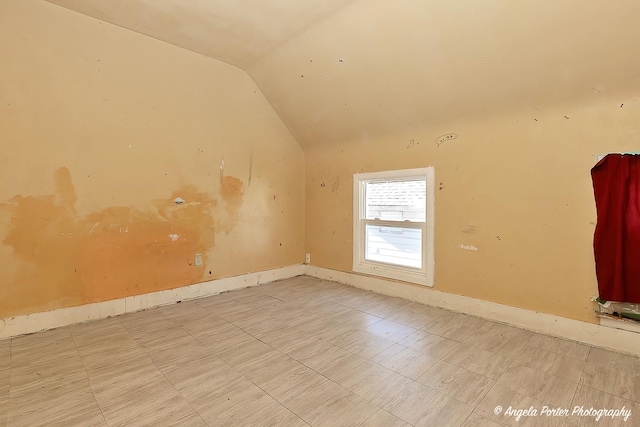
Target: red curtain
[616, 242]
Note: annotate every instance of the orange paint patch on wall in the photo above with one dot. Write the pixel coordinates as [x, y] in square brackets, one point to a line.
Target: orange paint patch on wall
[67, 259]
[231, 189]
[231, 192]
[44, 237]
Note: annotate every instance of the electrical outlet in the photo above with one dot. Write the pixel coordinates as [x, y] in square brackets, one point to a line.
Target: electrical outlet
[307, 259]
[198, 260]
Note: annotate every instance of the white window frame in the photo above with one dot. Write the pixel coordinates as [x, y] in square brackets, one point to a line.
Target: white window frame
[422, 276]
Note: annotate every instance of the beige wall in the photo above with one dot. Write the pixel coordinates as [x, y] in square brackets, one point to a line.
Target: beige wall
[515, 186]
[100, 129]
[534, 90]
[378, 67]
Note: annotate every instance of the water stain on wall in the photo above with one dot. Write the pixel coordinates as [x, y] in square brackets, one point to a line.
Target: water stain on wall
[231, 192]
[65, 190]
[231, 189]
[67, 259]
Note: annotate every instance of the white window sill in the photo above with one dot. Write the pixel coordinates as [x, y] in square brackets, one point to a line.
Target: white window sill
[391, 272]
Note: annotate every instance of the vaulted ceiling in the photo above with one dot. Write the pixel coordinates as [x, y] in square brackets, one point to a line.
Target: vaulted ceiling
[337, 70]
[238, 32]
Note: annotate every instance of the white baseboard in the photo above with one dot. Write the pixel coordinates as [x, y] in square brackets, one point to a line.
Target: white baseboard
[587, 333]
[627, 325]
[26, 324]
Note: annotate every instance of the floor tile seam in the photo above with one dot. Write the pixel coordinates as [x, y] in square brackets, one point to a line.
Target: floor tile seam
[371, 416]
[563, 354]
[299, 297]
[307, 296]
[510, 362]
[566, 356]
[126, 329]
[435, 391]
[364, 328]
[442, 336]
[182, 327]
[379, 365]
[473, 413]
[495, 384]
[417, 328]
[520, 392]
[12, 368]
[229, 366]
[396, 372]
[580, 383]
[271, 296]
[263, 342]
[245, 331]
[470, 370]
[603, 391]
[244, 312]
[254, 337]
[193, 336]
[335, 383]
[95, 399]
[373, 314]
[395, 416]
[274, 399]
[615, 366]
[365, 359]
[179, 392]
[514, 364]
[575, 393]
[454, 397]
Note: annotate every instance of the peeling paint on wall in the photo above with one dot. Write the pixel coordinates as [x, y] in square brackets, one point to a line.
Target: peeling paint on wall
[444, 138]
[331, 180]
[70, 259]
[468, 247]
[121, 166]
[469, 229]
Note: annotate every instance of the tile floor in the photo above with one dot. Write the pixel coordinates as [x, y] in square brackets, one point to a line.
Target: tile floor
[306, 352]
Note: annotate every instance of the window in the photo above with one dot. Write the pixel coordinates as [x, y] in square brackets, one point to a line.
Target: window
[393, 224]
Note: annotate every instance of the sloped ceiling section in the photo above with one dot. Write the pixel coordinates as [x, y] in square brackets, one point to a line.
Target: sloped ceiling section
[339, 70]
[422, 63]
[234, 31]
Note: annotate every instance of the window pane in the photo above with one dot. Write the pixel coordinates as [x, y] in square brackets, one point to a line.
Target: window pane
[396, 200]
[394, 245]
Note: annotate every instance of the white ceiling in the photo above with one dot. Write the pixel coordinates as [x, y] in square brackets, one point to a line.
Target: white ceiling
[234, 31]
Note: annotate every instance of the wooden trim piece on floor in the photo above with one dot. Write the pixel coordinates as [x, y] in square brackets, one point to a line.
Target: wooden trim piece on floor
[587, 333]
[26, 324]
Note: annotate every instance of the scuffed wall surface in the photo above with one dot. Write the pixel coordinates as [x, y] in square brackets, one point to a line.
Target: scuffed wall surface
[509, 101]
[515, 187]
[101, 129]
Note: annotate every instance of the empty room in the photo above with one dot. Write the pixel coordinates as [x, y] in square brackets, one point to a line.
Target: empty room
[319, 213]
